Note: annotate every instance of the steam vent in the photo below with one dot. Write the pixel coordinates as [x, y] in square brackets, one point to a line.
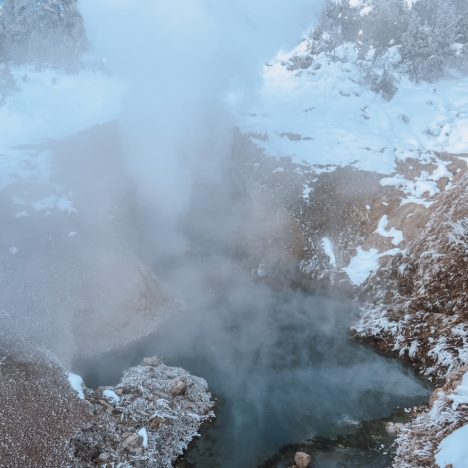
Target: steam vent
[234, 234]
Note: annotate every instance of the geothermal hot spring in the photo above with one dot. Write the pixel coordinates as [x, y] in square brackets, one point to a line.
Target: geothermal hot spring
[278, 359]
[281, 365]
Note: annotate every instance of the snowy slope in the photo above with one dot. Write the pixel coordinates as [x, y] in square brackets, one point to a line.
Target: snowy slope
[50, 105]
[324, 116]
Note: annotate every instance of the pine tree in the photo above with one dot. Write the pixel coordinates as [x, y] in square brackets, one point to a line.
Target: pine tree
[427, 44]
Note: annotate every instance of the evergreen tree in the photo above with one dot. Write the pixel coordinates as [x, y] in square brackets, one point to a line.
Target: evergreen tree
[428, 42]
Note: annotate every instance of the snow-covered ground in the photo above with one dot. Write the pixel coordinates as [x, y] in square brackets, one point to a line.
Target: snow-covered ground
[365, 263]
[453, 450]
[49, 105]
[324, 116]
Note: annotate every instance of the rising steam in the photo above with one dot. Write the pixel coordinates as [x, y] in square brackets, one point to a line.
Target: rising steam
[189, 66]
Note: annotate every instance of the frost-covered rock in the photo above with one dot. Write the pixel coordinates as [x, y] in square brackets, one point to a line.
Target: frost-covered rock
[156, 412]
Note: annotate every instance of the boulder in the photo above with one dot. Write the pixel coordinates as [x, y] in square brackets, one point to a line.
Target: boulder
[178, 388]
[302, 460]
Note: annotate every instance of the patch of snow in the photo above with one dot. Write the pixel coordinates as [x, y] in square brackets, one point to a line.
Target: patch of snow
[362, 265]
[77, 384]
[59, 202]
[111, 396]
[460, 395]
[365, 263]
[366, 10]
[453, 450]
[306, 192]
[393, 233]
[329, 251]
[420, 188]
[62, 203]
[261, 273]
[413, 349]
[144, 433]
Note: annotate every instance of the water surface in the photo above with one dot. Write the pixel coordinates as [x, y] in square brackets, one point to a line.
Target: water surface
[283, 369]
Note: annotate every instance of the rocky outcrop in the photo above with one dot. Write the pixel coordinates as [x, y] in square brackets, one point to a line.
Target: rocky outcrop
[76, 283]
[149, 417]
[139, 422]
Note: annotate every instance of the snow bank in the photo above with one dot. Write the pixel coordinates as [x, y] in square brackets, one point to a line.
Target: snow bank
[453, 450]
[365, 263]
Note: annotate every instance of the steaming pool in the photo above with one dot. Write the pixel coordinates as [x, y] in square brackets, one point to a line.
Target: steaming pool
[283, 369]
